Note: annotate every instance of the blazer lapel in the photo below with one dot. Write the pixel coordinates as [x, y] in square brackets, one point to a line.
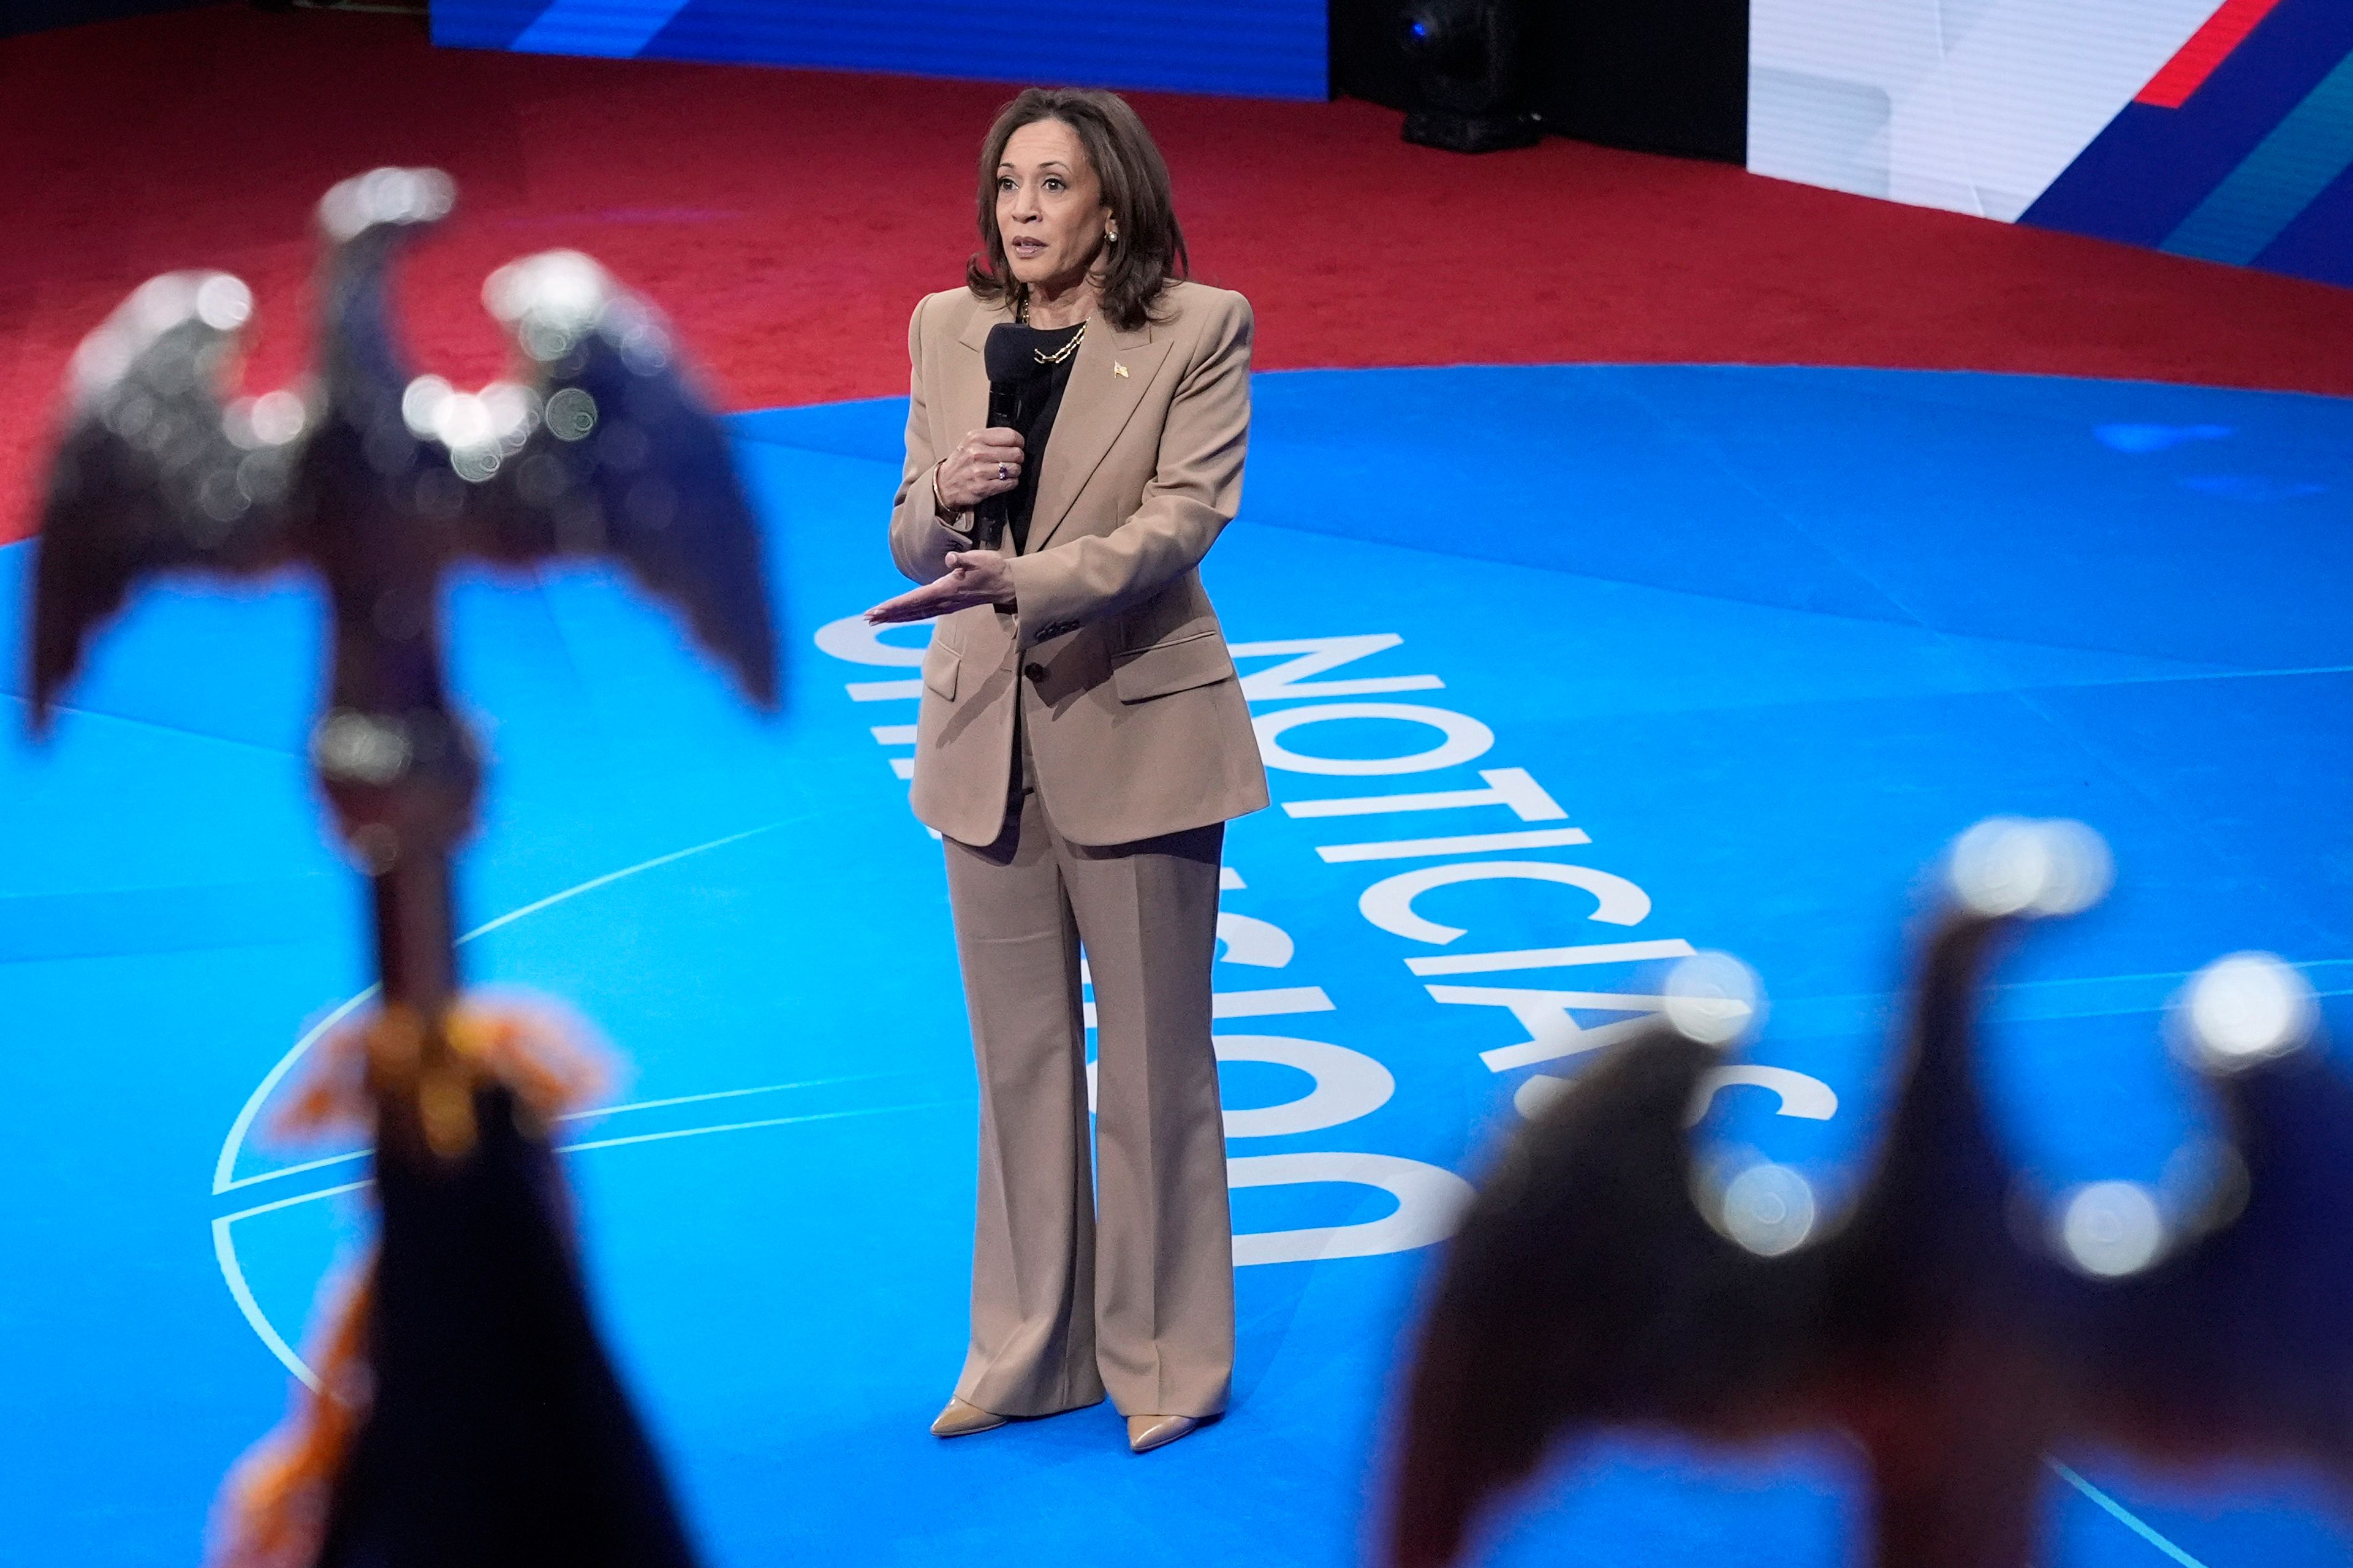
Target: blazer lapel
[965, 405]
[1108, 378]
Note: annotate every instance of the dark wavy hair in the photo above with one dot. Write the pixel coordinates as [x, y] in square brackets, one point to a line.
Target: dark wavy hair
[1150, 251]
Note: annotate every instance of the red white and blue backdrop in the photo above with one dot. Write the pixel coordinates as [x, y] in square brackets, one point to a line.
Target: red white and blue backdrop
[2218, 128]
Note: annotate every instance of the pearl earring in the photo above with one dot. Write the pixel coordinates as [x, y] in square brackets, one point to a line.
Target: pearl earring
[1110, 234]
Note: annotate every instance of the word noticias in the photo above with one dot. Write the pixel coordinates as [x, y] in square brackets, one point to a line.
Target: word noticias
[1349, 1084]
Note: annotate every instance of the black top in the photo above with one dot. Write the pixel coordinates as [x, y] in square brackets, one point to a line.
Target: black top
[1038, 397]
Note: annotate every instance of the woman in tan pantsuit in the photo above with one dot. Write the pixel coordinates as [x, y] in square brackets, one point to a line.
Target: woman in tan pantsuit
[1082, 742]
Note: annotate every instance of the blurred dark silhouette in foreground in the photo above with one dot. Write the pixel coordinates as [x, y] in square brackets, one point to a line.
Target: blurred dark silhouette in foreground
[464, 1412]
[1947, 1322]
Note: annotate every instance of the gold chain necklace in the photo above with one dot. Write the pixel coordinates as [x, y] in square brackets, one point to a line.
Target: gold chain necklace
[1022, 316]
[1065, 352]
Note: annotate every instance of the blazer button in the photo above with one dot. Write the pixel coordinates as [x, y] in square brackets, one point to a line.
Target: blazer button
[1034, 671]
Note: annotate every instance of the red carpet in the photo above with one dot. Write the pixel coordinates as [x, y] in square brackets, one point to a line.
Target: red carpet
[788, 220]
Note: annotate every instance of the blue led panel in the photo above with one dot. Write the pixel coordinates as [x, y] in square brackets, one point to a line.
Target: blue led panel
[1255, 48]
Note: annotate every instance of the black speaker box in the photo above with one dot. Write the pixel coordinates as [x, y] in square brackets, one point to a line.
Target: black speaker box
[1656, 75]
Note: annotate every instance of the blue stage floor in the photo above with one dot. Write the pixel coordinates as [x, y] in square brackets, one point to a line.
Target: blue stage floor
[1768, 639]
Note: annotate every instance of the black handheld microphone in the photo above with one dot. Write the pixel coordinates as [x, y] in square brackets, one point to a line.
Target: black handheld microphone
[1010, 367]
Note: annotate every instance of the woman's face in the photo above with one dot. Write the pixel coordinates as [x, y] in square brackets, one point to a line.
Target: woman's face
[1049, 204]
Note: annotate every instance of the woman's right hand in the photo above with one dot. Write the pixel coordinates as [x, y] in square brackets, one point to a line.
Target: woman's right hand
[987, 464]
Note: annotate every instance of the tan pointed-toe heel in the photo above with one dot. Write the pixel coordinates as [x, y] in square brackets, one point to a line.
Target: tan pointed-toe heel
[962, 1420]
[1146, 1433]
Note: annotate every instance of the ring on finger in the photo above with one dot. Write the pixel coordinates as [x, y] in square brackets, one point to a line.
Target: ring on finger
[1003, 472]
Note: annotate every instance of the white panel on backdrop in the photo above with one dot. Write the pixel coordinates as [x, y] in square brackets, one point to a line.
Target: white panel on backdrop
[1972, 105]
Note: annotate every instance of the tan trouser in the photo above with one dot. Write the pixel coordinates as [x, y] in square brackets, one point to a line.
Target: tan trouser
[1125, 1281]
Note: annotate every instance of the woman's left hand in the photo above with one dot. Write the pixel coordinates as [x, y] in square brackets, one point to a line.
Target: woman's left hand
[972, 577]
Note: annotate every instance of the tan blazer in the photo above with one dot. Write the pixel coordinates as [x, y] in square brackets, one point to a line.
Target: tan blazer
[1138, 725]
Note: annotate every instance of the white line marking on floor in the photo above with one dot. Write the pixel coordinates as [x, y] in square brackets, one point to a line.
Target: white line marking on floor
[224, 1181]
[242, 1127]
[748, 1126]
[593, 1111]
[233, 1271]
[224, 1252]
[2123, 1516]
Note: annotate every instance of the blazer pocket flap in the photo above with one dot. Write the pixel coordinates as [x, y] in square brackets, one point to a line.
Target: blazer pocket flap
[940, 671]
[1198, 659]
